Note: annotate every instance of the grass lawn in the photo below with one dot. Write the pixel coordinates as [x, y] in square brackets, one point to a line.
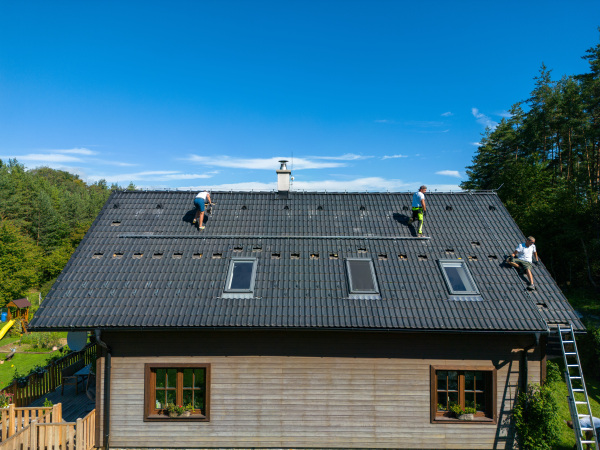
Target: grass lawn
[567, 437]
[23, 362]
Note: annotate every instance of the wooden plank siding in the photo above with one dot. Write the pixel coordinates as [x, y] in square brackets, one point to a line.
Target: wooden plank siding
[314, 389]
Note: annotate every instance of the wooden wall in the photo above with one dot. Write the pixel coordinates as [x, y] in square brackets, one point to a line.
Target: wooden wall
[314, 389]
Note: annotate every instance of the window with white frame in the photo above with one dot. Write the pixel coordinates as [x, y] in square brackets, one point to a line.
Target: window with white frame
[457, 277]
[241, 276]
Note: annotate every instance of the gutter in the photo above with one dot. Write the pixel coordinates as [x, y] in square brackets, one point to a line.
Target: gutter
[106, 402]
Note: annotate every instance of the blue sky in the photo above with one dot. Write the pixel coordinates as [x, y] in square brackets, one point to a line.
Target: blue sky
[371, 95]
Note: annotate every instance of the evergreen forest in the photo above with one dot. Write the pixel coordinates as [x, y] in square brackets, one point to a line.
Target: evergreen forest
[544, 162]
[44, 214]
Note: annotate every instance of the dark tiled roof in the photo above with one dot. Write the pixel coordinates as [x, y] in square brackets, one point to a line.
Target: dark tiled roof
[143, 264]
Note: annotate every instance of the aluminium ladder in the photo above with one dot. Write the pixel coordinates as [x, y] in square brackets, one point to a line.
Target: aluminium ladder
[576, 386]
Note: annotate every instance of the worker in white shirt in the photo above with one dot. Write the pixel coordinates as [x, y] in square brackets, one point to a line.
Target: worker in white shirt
[202, 198]
[522, 259]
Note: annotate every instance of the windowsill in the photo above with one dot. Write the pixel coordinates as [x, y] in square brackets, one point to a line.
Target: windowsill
[453, 420]
[165, 418]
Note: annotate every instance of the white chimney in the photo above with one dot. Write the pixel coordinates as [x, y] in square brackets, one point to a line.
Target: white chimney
[283, 177]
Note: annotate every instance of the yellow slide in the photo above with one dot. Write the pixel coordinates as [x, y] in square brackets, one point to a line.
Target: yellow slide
[6, 327]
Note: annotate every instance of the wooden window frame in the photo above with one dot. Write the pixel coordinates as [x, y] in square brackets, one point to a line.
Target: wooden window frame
[489, 418]
[151, 414]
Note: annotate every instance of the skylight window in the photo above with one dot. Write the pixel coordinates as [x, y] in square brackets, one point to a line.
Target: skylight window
[457, 277]
[361, 276]
[241, 275]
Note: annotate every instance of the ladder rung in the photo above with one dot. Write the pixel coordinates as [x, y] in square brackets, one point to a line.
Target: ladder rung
[588, 442]
[581, 403]
[575, 378]
[572, 365]
[577, 390]
[564, 330]
[570, 353]
[586, 429]
[567, 342]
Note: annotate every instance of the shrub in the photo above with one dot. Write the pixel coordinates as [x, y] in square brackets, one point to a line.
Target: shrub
[553, 374]
[5, 399]
[536, 418]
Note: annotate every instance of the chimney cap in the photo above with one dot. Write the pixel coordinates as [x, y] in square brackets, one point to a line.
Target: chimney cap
[283, 166]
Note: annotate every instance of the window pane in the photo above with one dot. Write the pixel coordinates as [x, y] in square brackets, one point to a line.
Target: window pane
[187, 397]
[479, 384]
[172, 378]
[469, 381]
[452, 381]
[442, 380]
[470, 399]
[199, 378]
[457, 278]
[442, 401]
[481, 406]
[452, 397]
[161, 376]
[188, 378]
[242, 275]
[171, 396]
[160, 399]
[361, 276]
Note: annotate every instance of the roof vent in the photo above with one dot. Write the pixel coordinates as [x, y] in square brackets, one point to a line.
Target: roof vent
[115, 223]
[448, 208]
[314, 256]
[295, 256]
[159, 206]
[475, 244]
[402, 256]
[319, 208]
[238, 249]
[244, 208]
[157, 255]
[115, 206]
[217, 255]
[382, 257]
[117, 255]
[405, 208]
[472, 258]
[449, 251]
[333, 256]
[492, 257]
[422, 257]
[177, 255]
[197, 256]
[275, 255]
[492, 208]
[362, 208]
[362, 250]
[138, 255]
[283, 177]
[97, 255]
[286, 207]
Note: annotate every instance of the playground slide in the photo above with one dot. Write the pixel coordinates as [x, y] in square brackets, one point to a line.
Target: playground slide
[6, 327]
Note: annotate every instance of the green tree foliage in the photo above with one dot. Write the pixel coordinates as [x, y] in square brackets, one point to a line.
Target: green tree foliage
[536, 418]
[19, 262]
[44, 215]
[545, 162]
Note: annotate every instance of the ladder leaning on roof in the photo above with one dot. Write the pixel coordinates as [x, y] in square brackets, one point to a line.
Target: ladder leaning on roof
[576, 386]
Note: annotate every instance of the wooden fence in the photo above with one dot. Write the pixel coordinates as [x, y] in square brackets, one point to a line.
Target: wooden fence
[42, 435]
[38, 386]
[13, 419]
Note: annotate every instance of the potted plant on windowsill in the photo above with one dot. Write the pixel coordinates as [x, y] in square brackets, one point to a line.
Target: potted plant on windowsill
[174, 410]
[460, 413]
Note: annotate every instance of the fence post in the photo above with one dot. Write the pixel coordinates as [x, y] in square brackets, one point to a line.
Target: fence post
[12, 423]
[33, 444]
[57, 413]
[79, 438]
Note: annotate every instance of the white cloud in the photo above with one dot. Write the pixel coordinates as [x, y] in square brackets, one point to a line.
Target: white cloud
[449, 173]
[46, 158]
[260, 163]
[370, 184]
[76, 151]
[394, 156]
[346, 157]
[384, 121]
[483, 119]
[447, 114]
[476, 144]
[149, 176]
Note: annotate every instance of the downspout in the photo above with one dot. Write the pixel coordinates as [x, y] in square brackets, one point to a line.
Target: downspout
[106, 389]
[525, 363]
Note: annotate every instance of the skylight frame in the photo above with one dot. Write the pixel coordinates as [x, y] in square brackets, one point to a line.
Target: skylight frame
[354, 291]
[230, 277]
[467, 278]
